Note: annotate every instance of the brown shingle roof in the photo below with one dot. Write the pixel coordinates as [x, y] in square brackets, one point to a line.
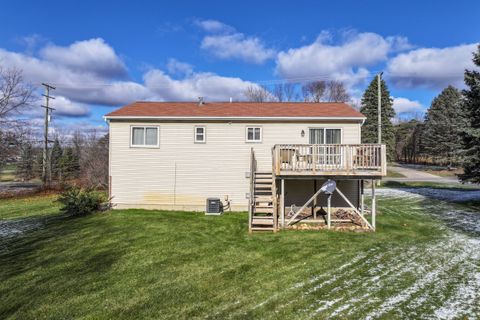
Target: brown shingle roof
[237, 109]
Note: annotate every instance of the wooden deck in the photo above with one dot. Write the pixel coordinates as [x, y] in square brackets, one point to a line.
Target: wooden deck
[335, 160]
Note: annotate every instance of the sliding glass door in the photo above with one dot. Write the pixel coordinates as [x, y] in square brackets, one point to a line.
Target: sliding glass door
[327, 155]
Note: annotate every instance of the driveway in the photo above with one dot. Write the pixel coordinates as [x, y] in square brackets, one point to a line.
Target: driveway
[18, 188]
[412, 175]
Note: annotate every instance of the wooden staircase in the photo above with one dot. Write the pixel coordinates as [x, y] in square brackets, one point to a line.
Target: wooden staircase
[263, 201]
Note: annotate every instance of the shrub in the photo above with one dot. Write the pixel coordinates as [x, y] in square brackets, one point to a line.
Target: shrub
[80, 202]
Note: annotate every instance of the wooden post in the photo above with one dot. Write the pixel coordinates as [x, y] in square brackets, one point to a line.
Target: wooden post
[329, 209]
[362, 196]
[282, 205]
[374, 204]
[315, 200]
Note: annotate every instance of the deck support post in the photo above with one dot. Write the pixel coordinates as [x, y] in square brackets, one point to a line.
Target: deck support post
[282, 204]
[329, 210]
[374, 204]
[362, 197]
[314, 208]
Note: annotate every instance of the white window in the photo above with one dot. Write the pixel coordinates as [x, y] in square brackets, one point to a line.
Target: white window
[145, 136]
[254, 134]
[200, 134]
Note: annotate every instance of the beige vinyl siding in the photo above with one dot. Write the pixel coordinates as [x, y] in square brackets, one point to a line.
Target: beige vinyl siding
[181, 174]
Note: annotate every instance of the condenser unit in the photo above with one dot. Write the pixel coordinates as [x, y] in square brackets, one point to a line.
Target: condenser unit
[214, 207]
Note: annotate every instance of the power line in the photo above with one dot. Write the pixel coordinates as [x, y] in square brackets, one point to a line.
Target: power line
[324, 77]
[265, 82]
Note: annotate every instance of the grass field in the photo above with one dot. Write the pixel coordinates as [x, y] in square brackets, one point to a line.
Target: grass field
[131, 264]
[7, 173]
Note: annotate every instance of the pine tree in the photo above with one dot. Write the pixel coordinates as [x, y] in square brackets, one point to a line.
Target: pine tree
[408, 142]
[55, 163]
[443, 125]
[69, 165]
[471, 134]
[370, 110]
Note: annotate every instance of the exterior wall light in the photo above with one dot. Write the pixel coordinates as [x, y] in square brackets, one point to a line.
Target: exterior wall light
[302, 133]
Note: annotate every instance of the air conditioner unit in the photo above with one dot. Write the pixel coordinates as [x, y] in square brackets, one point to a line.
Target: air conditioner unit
[214, 207]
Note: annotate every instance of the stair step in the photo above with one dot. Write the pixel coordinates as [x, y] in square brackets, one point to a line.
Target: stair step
[263, 180]
[265, 185]
[268, 217]
[263, 199]
[262, 229]
[263, 210]
[263, 222]
[263, 173]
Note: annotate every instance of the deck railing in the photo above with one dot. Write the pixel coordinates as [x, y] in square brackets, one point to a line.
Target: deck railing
[330, 159]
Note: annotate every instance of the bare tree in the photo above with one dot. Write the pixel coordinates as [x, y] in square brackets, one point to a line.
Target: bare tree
[336, 92]
[94, 161]
[258, 94]
[14, 93]
[313, 91]
[289, 91]
[278, 92]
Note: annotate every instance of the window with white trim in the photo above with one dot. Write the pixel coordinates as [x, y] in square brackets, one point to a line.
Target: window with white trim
[144, 136]
[326, 141]
[254, 134]
[200, 134]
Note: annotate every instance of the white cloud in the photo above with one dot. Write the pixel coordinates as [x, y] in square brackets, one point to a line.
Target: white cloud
[237, 46]
[214, 26]
[208, 85]
[176, 67]
[91, 56]
[431, 67]
[225, 42]
[346, 61]
[66, 107]
[404, 105]
[82, 79]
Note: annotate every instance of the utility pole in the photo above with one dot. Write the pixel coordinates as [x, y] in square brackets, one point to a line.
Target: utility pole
[379, 86]
[47, 107]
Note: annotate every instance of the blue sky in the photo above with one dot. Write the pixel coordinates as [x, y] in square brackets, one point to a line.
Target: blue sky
[102, 55]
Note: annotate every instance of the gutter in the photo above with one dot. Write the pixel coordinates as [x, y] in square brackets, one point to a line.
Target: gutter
[230, 118]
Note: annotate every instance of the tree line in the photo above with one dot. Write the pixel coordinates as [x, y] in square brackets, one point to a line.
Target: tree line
[313, 91]
[448, 135]
[80, 158]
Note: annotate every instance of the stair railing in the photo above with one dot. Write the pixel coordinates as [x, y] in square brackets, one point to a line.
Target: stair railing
[251, 196]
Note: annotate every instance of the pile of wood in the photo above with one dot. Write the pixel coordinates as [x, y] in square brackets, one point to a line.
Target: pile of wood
[342, 214]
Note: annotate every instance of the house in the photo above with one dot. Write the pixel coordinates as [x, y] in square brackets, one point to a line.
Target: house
[267, 158]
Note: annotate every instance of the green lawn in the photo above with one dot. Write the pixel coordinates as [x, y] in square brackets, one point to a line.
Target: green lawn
[41, 205]
[134, 264]
[394, 174]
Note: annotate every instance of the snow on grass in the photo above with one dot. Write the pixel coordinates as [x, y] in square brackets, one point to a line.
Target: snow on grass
[453, 195]
[438, 279]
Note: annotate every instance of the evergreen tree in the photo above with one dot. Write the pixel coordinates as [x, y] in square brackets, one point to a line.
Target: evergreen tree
[370, 110]
[408, 141]
[25, 167]
[443, 125]
[55, 161]
[471, 134]
[69, 165]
